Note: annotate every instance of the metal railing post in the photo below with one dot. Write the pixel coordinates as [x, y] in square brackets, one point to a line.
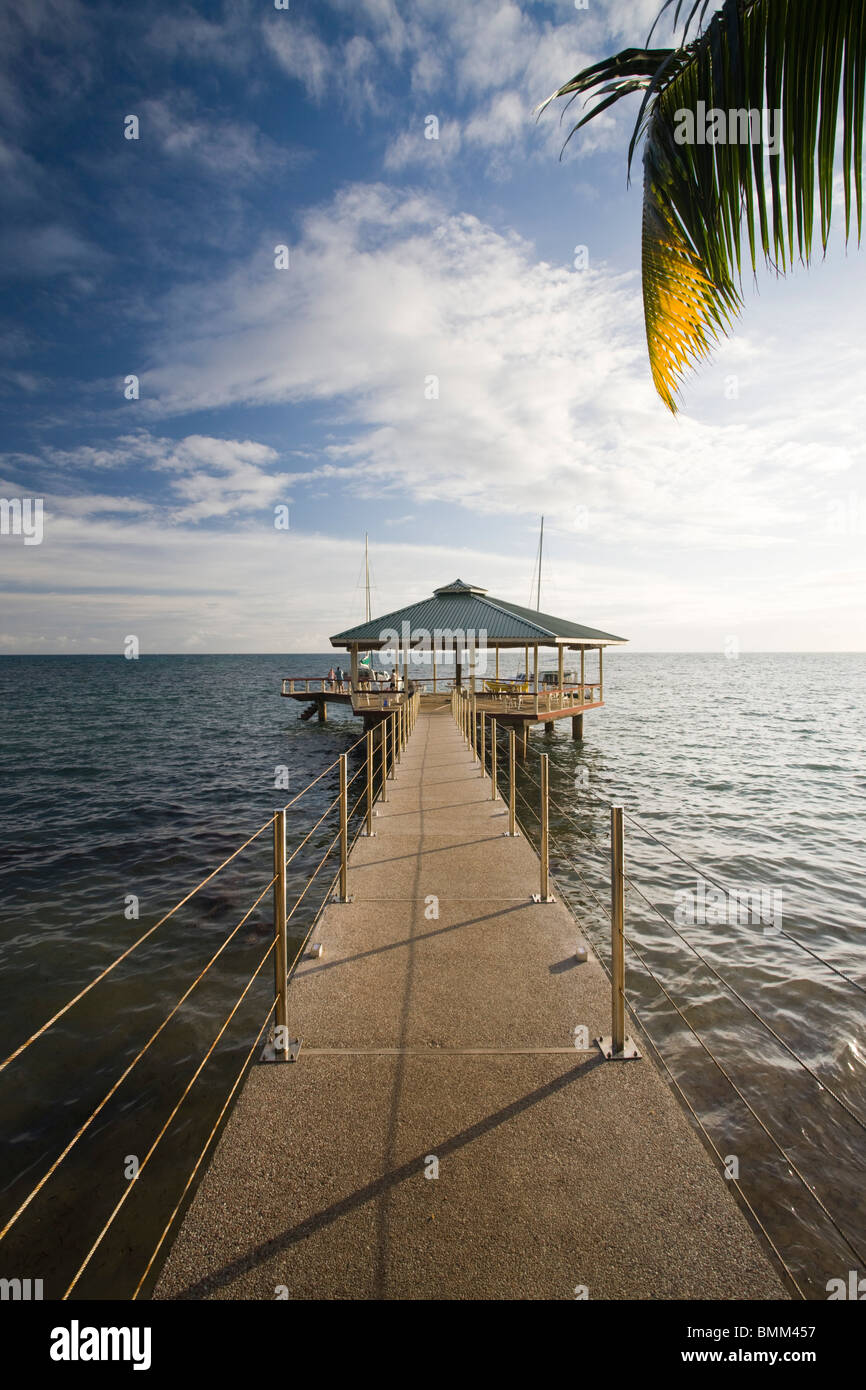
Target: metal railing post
[281, 986]
[618, 1047]
[384, 730]
[617, 901]
[483, 760]
[493, 752]
[545, 811]
[473, 714]
[369, 781]
[544, 858]
[512, 760]
[344, 828]
[393, 723]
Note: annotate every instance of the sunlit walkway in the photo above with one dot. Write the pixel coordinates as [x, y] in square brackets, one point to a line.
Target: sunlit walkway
[438, 1036]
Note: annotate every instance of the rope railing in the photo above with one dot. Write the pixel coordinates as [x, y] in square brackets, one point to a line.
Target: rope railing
[346, 842]
[785, 1155]
[171, 912]
[728, 889]
[128, 952]
[746, 1005]
[120, 1080]
[206, 1146]
[143, 1164]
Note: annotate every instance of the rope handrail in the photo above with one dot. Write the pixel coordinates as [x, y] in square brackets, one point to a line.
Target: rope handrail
[132, 1182]
[120, 1080]
[237, 1081]
[746, 1005]
[107, 971]
[312, 830]
[198, 1161]
[703, 1127]
[567, 857]
[786, 1156]
[727, 889]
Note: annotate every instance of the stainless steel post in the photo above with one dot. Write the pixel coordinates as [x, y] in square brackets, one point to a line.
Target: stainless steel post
[281, 988]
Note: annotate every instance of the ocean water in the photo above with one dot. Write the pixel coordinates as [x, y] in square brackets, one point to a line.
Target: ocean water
[126, 782]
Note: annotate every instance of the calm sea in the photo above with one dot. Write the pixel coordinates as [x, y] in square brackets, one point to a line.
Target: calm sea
[126, 782]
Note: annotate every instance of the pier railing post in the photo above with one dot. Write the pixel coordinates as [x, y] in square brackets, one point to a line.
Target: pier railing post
[384, 729]
[369, 830]
[493, 752]
[617, 908]
[473, 715]
[281, 987]
[543, 895]
[512, 762]
[483, 760]
[392, 721]
[617, 1047]
[344, 828]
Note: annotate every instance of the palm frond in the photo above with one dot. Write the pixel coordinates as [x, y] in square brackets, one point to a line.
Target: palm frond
[708, 204]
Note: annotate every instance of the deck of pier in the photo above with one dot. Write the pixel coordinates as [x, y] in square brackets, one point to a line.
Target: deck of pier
[451, 1037]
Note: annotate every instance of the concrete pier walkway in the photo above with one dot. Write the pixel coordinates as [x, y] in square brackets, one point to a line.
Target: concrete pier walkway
[438, 1031]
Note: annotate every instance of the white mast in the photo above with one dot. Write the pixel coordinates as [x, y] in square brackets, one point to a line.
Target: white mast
[367, 614]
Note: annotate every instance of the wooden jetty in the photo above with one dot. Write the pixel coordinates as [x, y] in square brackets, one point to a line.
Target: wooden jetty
[447, 1131]
[463, 624]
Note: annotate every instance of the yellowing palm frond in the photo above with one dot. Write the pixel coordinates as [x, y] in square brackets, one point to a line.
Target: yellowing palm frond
[799, 58]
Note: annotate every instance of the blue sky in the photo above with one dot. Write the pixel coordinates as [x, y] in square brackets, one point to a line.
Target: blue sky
[410, 259]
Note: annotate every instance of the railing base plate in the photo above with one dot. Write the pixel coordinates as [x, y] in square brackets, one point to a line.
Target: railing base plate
[629, 1051]
[537, 898]
[335, 898]
[269, 1055]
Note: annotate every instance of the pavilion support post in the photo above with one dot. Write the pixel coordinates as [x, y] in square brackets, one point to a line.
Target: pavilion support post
[601, 673]
[577, 726]
[526, 665]
[434, 670]
[561, 676]
[354, 668]
[535, 667]
[582, 674]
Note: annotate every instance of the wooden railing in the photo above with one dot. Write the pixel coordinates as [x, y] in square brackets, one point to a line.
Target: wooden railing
[317, 685]
[569, 697]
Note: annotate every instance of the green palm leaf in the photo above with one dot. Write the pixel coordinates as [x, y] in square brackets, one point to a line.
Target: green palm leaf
[705, 202]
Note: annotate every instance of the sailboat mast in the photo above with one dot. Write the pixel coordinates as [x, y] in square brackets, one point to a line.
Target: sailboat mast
[540, 548]
[368, 614]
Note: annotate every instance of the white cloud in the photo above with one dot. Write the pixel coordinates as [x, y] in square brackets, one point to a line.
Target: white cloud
[458, 368]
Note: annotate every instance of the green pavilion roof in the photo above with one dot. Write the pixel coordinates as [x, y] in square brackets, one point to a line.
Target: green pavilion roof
[467, 608]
